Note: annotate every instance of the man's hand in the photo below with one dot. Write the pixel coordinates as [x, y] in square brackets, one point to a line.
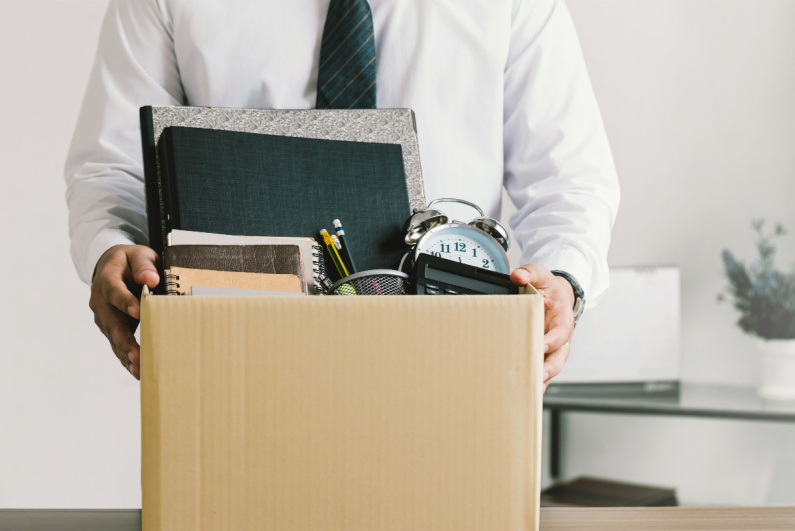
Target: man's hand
[558, 314]
[121, 271]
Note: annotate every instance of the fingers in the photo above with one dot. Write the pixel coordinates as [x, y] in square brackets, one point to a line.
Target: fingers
[115, 306]
[109, 280]
[558, 317]
[135, 370]
[120, 356]
[558, 314]
[554, 362]
[559, 327]
[142, 263]
[114, 324]
[520, 277]
[558, 311]
[535, 274]
[114, 291]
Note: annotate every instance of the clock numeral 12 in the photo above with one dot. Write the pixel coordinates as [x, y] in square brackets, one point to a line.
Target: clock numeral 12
[460, 247]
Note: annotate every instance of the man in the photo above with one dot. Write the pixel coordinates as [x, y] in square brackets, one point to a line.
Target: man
[500, 91]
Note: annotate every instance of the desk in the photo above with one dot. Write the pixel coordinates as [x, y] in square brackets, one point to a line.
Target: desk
[693, 400]
[552, 519]
[667, 518]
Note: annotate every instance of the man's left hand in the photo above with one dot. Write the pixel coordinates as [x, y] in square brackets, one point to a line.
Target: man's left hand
[558, 314]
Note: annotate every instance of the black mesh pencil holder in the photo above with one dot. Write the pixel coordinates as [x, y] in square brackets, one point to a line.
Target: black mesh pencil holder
[372, 282]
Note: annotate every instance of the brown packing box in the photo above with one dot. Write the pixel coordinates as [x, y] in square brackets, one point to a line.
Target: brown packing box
[341, 413]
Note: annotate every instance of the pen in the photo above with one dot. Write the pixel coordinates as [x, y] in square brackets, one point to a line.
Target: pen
[332, 251]
[346, 249]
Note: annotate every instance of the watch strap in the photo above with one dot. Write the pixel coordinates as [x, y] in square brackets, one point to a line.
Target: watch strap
[579, 294]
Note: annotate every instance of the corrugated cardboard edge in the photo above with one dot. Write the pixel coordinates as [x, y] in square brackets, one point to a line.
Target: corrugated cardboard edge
[151, 429]
[537, 404]
[150, 416]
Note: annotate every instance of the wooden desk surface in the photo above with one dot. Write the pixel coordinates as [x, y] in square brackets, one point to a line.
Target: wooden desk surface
[552, 519]
[668, 518]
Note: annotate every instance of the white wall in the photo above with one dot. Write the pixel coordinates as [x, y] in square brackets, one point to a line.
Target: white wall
[69, 416]
[697, 99]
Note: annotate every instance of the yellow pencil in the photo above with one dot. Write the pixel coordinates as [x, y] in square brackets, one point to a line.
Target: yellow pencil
[347, 288]
[335, 256]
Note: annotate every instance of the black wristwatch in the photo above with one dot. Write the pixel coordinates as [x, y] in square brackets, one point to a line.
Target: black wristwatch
[579, 294]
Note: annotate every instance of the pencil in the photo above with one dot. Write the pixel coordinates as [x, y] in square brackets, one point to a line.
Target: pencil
[347, 288]
[332, 251]
[345, 253]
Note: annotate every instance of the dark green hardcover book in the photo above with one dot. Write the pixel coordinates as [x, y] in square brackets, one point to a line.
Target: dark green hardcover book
[264, 185]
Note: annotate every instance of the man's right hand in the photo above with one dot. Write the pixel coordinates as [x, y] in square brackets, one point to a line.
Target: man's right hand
[121, 272]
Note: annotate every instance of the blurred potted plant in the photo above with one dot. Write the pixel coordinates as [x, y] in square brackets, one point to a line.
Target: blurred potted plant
[765, 298]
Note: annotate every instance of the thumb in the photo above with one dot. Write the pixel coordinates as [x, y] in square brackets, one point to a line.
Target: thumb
[142, 264]
[533, 274]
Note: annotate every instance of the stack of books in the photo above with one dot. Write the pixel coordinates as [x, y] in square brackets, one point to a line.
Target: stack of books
[250, 190]
[197, 263]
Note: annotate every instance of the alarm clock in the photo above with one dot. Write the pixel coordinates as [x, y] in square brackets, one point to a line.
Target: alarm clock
[481, 243]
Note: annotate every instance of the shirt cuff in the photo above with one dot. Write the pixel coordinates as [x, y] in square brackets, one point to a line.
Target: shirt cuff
[101, 243]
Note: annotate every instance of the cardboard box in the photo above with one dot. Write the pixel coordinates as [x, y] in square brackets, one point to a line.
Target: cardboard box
[341, 413]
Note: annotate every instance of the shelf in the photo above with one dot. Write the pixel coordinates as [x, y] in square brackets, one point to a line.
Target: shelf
[693, 400]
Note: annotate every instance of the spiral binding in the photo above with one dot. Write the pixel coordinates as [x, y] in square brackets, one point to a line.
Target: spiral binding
[318, 267]
[172, 284]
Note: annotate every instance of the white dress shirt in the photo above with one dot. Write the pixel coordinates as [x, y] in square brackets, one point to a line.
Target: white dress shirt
[499, 88]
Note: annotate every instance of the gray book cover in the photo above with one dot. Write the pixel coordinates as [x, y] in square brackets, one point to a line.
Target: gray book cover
[396, 126]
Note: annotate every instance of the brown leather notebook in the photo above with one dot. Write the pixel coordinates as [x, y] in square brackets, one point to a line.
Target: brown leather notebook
[272, 259]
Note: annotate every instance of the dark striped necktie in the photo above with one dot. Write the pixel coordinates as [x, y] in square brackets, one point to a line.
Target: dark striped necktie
[346, 76]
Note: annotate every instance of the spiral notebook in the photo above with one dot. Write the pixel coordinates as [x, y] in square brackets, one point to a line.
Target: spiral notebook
[181, 280]
[311, 252]
[268, 260]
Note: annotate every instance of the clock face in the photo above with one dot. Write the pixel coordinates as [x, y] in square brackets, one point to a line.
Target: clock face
[466, 245]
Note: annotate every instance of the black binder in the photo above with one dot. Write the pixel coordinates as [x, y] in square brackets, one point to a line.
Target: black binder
[254, 184]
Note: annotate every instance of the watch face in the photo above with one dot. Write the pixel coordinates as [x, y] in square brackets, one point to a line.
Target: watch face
[464, 244]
